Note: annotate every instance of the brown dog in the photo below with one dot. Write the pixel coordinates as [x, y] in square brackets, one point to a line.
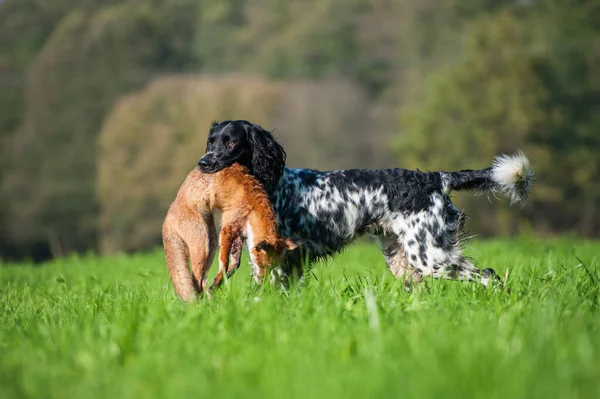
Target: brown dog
[189, 230]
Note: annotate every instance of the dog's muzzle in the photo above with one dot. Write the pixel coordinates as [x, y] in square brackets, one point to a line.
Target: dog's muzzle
[207, 163]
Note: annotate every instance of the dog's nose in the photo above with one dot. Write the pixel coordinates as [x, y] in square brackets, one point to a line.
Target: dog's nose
[202, 163]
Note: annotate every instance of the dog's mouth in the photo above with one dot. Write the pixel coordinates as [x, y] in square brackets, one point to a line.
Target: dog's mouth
[208, 168]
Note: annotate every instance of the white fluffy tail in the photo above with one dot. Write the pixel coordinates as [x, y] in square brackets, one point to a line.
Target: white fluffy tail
[512, 175]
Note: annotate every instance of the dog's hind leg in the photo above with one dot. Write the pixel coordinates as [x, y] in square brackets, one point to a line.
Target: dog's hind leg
[432, 244]
[177, 264]
[203, 246]
[464, 270]
[230, 233]
[452, 265]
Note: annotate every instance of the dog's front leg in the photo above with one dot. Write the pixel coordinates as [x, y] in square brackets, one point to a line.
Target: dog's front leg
[236, 255]
[226, 239]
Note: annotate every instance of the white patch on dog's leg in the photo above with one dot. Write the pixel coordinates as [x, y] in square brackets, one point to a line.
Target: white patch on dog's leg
[250, 243]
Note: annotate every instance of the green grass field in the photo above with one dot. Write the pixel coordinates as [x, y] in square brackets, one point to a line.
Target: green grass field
[89, 327]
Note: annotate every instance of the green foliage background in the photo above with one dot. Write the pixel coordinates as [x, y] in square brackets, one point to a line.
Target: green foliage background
[105, 104]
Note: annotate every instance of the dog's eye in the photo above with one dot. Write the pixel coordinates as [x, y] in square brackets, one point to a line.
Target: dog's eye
[230, 143]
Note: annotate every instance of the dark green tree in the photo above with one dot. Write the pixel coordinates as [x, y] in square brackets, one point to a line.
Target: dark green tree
[522, 81]
[93, 56]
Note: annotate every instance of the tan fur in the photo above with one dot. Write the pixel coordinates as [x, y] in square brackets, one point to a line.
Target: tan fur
[189, 231]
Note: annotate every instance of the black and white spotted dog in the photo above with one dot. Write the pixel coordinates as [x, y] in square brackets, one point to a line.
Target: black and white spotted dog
[409, 211]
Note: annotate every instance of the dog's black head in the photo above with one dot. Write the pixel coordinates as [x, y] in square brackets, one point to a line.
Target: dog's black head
[247, 144]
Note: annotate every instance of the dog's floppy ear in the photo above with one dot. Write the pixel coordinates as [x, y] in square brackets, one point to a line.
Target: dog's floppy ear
[290, 244]
[268, 157]
[262, 246]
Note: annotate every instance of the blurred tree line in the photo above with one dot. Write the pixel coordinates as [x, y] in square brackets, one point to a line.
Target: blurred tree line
[105, 105]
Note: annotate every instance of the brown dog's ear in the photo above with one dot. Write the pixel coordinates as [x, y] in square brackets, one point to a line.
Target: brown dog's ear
[292, 243]
[261, 246]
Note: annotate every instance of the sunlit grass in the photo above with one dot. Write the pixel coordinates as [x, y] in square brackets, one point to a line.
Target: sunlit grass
[90, 327]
